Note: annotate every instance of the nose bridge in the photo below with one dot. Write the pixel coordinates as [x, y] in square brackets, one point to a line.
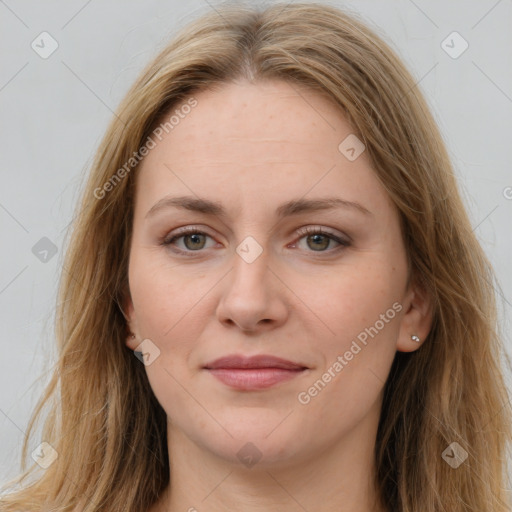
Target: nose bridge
[253, 249]
[249, 298]
[250, 263]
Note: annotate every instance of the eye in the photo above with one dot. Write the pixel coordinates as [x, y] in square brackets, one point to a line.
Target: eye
[318, 239]
[193, 240]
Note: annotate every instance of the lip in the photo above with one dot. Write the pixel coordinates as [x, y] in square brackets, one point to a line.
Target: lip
[239, 362]
[253, 373]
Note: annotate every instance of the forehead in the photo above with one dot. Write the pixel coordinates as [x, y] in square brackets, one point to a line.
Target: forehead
[265, 111]
[265, 139]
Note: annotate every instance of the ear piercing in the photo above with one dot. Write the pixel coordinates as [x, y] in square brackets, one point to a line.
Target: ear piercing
[415, 338]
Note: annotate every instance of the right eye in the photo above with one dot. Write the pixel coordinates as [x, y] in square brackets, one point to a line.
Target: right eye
[193, 240]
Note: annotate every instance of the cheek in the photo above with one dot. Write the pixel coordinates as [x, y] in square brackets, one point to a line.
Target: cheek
[168, 299]
[362, 310]
[170, 309]
[353, 297]
[170, 312]
[361, 307]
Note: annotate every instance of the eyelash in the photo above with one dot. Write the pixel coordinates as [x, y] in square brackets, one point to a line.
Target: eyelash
[307, 231]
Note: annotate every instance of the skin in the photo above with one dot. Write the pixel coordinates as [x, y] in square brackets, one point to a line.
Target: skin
[252, 147]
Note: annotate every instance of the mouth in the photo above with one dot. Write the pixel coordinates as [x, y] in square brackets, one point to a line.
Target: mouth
[253, 373]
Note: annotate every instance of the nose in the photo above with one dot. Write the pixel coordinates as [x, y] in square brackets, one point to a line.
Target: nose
[253, 298]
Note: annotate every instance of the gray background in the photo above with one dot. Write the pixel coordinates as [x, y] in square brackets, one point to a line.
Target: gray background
[54, 112]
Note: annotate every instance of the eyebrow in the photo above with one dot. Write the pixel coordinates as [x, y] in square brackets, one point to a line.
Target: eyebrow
[293, 207]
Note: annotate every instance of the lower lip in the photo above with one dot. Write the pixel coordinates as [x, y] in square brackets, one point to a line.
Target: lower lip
[255, 378]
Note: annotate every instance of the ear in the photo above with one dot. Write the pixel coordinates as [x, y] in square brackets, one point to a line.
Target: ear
[417, 319]
[131, 325]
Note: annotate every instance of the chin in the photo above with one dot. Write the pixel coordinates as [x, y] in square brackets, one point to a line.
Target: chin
[257, 454]
[255, 444]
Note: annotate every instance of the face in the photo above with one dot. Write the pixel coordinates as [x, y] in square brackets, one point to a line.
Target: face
[294, 252]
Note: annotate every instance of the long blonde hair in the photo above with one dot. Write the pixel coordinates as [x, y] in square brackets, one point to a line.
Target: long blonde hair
[103, 419]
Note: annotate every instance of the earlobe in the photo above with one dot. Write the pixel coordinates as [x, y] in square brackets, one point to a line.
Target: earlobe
[129, 314]
[131, 341]
[416, 322]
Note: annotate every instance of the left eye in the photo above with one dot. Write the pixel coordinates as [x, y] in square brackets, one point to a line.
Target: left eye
[318, 239]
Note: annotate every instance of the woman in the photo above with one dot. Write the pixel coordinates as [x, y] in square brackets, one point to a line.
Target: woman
[273, 298]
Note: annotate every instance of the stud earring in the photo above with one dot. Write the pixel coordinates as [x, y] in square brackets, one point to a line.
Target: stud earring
[415, 338]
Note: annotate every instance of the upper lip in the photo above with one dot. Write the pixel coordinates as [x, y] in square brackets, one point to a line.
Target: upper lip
[259, 361]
